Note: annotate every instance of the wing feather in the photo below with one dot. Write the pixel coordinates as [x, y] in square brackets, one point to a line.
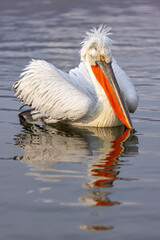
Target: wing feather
[127, 88]
[45, 89]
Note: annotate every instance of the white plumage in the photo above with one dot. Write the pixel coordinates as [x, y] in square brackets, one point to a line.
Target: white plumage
[77, 97]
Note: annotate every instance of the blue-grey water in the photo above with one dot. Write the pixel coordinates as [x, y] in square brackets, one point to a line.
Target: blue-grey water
[63, 183]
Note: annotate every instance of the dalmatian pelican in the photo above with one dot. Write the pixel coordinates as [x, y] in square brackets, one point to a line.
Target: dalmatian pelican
[97, 93]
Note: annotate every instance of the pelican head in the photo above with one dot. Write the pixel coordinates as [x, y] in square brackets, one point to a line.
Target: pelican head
[97, 56]
[97, 46]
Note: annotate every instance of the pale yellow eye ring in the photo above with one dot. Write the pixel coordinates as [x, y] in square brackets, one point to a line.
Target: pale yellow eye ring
[102, 58]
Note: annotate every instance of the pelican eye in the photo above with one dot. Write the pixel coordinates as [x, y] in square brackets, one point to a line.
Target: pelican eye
[102, 58]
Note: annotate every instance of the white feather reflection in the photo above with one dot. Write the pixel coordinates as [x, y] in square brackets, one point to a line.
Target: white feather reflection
[45, 147]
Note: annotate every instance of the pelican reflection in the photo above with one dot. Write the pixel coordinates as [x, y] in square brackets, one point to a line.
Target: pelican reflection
[98, 152]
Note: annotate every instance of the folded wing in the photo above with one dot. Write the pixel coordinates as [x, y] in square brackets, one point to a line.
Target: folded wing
[51, 94]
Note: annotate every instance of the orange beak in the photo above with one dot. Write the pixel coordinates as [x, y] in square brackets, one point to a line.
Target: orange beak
[105, 76]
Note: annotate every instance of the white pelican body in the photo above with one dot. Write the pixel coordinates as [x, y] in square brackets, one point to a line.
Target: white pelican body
[79, 98]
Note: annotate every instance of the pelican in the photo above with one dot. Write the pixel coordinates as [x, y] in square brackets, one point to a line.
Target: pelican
[97, 93]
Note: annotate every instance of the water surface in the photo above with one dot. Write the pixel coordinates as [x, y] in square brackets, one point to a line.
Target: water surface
[65, 183]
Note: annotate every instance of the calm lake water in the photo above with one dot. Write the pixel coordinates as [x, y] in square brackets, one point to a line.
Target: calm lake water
[63, 183]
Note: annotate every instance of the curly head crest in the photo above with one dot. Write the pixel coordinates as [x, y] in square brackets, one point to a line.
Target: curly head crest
[98, 36]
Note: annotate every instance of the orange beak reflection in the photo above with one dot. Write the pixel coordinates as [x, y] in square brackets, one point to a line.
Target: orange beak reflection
[105, 76]
[104, 172]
